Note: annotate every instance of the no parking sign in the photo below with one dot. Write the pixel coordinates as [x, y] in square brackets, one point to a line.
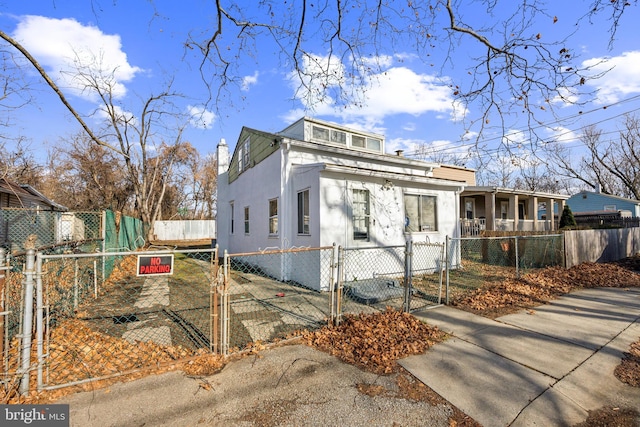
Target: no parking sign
[154, 265]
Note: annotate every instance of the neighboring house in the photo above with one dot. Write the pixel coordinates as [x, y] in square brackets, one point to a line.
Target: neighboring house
[25, 211]
[13, 195]
[316, 184]
[593, 203]
[504, 209]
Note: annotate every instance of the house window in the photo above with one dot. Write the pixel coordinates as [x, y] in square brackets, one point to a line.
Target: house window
[246, 220]
[329, 135]
[303, 212]
[363, 142]
[360, 215]
[469, 208]
[232, 224]
[610, 208]
[243, 155]
[504, 210]
[420, 213]
[273, 217]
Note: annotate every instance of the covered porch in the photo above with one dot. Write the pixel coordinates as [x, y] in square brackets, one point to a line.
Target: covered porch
[503, 209]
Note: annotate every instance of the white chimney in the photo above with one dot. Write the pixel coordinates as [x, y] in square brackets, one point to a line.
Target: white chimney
[222, 155]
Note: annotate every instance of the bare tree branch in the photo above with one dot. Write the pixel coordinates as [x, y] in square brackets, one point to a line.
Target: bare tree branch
[55, 88]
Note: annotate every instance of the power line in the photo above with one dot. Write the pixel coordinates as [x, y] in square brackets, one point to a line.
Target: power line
[542, 125]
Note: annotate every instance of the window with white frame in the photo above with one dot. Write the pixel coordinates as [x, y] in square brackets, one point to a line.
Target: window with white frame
[303, 212]
[243, 155]
[329, 135]
[365, 142]
[232, 217]
[360, 211]
[610, 208]
[420, 213]
[469, 208]
[504, 209]
[273, 217]
[246, 220]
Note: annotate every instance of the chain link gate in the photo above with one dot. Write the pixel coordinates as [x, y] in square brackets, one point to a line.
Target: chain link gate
[426, 275]
[272, 295]
[98, 325]
[405, 278]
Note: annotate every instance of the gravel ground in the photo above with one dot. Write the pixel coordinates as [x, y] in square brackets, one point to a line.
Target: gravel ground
[292, 385]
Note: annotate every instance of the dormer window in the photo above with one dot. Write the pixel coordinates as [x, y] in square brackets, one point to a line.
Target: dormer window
[350, 139]
[364, 142]
[329, 135]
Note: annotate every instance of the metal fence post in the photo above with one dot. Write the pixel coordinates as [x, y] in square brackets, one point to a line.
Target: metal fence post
[447, 260]
[333, 285]
[27, 323]
[39, 318]
[3, 313]
[408, 253]
[224, 307]
[517, 260]
[340, 290]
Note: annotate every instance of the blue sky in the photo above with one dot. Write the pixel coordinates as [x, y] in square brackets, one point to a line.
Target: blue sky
[411, 102]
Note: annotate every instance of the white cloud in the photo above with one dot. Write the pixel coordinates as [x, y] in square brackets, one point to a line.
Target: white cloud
[620, 78]
[61, 45]
[320, 75]
[410, 127]
[566, 97]
[563, 135]
[249, 81]
[515, 138]
[200, 117]
[396, 90]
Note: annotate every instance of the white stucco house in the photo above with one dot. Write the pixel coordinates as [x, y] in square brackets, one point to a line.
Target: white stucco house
[316, 184]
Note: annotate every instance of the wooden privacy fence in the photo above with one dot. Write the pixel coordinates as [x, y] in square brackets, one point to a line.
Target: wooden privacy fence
[600, 245]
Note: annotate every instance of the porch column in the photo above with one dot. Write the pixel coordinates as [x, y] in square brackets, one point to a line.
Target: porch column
[551, 213]
[533, 211]
[513, 211]
[490, 211]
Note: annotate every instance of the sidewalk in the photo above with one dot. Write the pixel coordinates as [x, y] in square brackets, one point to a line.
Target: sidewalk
[542, 367]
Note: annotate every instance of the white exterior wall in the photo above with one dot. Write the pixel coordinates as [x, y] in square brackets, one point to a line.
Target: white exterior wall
[253, 188]
[386, 223]
[330, 178]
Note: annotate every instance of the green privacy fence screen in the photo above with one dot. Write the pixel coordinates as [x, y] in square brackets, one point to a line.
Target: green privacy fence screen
[121, 233]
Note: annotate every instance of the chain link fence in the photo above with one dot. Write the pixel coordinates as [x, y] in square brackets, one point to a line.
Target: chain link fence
[401, 277]
[477, 262]
[23, 228]
[85, 325]
[271, 295]
[95, 316]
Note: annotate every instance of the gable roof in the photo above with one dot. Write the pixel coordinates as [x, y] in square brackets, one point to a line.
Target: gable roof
[24, 196]
[608, 196]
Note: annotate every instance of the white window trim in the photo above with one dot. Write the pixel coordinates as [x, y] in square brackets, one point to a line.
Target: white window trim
[308, 216]
[436, 219]
[272, 217]
[366, 216]
[247, 218]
